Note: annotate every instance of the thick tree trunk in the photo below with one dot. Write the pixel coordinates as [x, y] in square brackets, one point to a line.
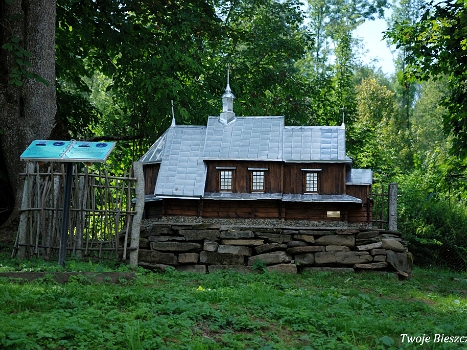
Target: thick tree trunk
[27, 112]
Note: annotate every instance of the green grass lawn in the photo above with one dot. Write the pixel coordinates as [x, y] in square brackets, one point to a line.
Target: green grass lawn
[232, 311]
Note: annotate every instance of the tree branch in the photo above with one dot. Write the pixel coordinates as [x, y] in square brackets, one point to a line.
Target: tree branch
[113, 138]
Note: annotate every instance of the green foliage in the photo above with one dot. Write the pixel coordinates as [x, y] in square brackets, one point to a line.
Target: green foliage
[75, 112]
[435, 47]
[126, 62]
[427, 120]
[22, 64]
[261, 41]
[228, 310]
[433, 223]
[259, 266]
[377, 140]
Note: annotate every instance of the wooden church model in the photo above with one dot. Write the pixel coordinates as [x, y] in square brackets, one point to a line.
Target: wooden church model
[254, 167]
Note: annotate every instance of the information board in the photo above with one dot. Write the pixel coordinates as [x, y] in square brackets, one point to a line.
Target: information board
[67, 151]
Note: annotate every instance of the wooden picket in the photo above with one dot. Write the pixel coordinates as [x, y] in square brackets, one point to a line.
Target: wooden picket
[380, 206]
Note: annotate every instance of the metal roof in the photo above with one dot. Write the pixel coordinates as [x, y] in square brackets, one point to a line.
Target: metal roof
[181, 151]
[242, 196]
[182, 172]
[359, 177]
[314, 143]
[330, 198]
[322, 198]
[154, 154]
[246, 138]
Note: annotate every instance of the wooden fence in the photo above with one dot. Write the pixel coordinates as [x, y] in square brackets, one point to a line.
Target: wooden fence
[102, 213]
[384, 206]
[380, 206]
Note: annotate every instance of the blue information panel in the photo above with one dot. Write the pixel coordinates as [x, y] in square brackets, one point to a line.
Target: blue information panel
[67, 151]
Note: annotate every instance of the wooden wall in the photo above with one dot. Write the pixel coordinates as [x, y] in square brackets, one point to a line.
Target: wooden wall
[272, 176]
[280, 177]
[360, 213]
[331, 178]
[362, 192]
[261, 209]
[309, 211]
[180, 207]
[240, 209]
[150, 176]
[153, 210]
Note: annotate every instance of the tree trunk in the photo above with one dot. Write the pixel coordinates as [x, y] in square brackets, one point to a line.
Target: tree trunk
[27, 108]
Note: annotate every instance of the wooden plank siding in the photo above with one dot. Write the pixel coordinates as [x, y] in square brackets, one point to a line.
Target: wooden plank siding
[241, 176]
[264, 209]
[261, 209]
[331, 178]
[180, 207]
[363, 212]
[280, 177]
[313, 211]
[153, 210]
[151, 171]
[359, 191]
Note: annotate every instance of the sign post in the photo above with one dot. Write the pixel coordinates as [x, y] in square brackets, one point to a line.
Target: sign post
[67, 152]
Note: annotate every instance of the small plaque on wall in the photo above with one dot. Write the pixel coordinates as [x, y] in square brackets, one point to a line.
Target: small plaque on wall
[333, 214]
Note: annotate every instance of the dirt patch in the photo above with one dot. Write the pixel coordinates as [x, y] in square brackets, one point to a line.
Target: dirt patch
[64, 277]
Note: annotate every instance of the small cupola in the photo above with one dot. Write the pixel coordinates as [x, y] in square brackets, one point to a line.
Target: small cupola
[227, 115]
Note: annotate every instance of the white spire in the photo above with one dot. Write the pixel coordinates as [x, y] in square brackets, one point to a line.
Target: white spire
[173, 113]
[343, 117]
[227, 114]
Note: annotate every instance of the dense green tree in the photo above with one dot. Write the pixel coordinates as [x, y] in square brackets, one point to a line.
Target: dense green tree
[427, 120]
[152, 53]
[262, 41]
[375, 110]
[331, 62]
[377, 138]
[435, 47]
[406, 11]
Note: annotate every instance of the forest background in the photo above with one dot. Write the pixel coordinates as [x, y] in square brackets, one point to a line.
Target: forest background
[114, 66]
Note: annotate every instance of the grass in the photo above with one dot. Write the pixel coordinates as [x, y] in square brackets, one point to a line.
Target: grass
[228, 310]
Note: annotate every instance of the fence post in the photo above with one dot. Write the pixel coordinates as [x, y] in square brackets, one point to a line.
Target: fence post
[139, 208]
[392, 207]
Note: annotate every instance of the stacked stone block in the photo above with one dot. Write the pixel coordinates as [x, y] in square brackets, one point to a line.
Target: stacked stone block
[211, 247]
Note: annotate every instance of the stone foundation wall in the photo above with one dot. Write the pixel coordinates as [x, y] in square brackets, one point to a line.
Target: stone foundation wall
[209, 247]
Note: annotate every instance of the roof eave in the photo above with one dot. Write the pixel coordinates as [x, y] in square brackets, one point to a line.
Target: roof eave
[164, 196]
[342, 161]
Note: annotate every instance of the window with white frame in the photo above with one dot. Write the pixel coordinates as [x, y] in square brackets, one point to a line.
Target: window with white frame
[257, 181]
[225, 180]
[311, 182]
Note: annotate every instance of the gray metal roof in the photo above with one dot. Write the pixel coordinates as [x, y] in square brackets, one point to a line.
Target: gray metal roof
[359, 177]
[181, 151]
[314, 143]
[154, 154]
[242, 196]
[182, 172]
[321, 198]
[330, 198]
[246, 138]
